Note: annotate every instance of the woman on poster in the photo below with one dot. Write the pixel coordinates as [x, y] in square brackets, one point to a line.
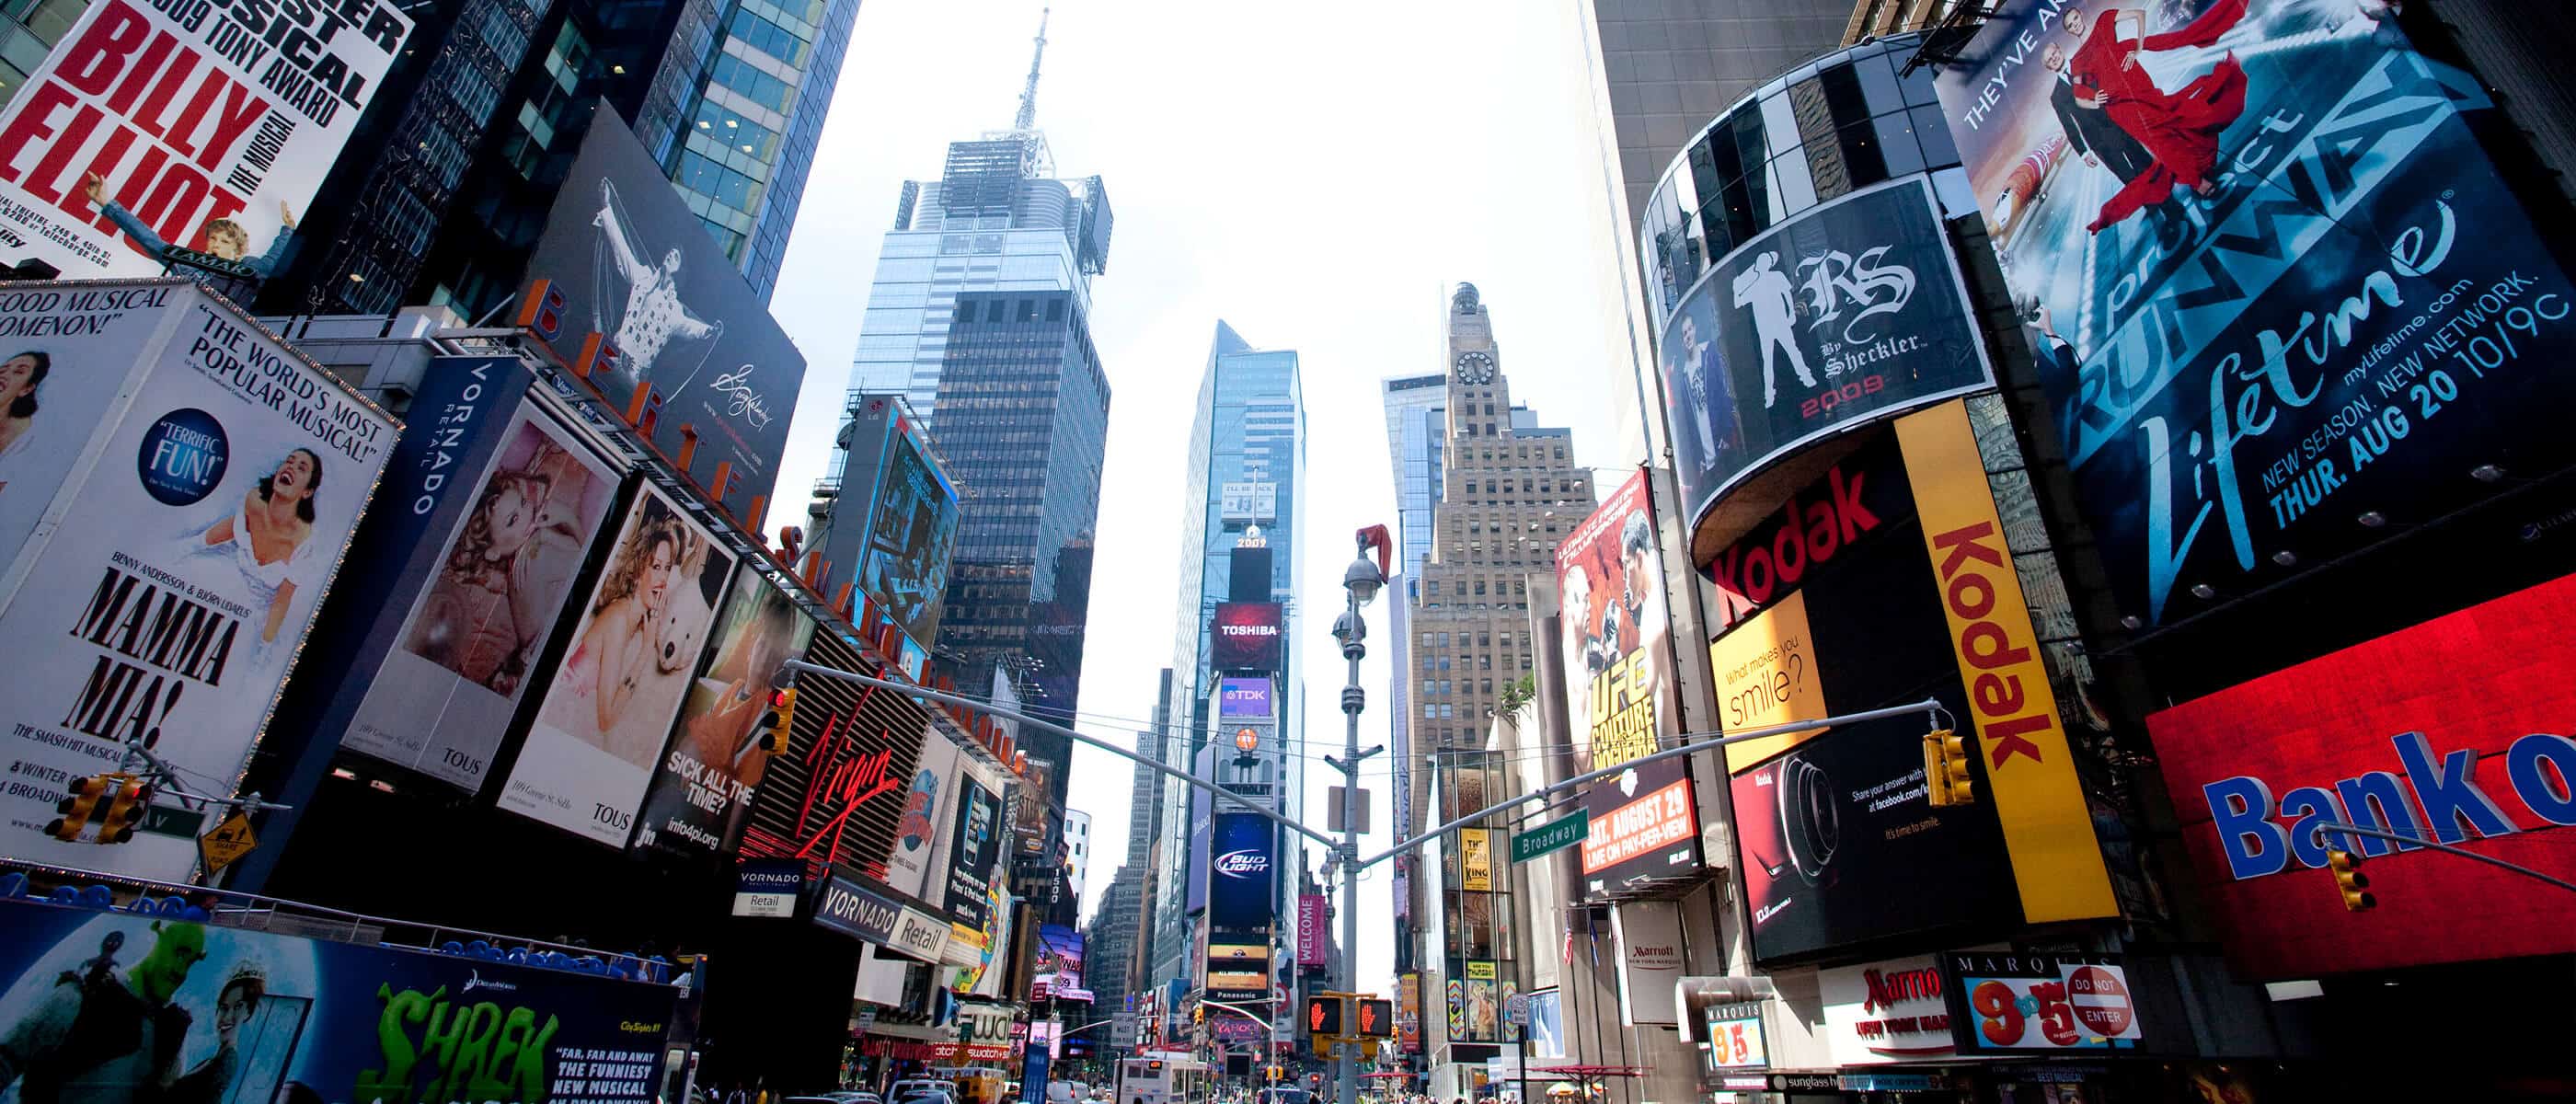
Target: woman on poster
[211, 1082]
[268, 537]
[20, 376]
[470, 623]
[2179, 129]
[610, 664]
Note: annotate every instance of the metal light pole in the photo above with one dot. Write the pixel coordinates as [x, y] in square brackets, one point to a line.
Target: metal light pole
[1361, 582]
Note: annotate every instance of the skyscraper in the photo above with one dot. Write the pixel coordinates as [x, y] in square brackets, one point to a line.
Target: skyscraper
[1241, 510]
[1671, 64]
[997, 220]
[1416, 428]
[1509, 493]
[449, 182]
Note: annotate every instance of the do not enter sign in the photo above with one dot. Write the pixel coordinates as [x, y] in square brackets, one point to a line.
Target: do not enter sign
[2005, 1003]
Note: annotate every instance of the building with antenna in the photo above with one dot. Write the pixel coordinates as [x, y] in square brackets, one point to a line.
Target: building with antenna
[980, 317]
[998, 219]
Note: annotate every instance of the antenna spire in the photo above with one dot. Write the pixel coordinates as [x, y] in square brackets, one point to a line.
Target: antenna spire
[1028, 117]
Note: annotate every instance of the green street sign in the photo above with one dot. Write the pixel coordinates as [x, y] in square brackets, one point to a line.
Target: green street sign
[1555, 835]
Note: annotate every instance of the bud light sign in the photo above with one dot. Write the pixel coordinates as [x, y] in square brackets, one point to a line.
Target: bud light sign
[1241, 871]
[2354, 737]
[1245, 698]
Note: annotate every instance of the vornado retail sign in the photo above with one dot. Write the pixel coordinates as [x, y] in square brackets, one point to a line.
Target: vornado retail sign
[847, 907]
[1849, 312]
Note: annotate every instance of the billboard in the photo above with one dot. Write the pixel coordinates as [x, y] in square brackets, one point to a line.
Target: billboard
[1475, 859]
[174, 567]
[703, 789]
[1614, 626]
[1644, 829]
[517, 517]
[632, 658]
[836, 793]
[114, 1006]
[928, 801]
[911, 537]
[1243, 699]
[1243, 872]
[1059, 965]
[2479, 758]
[1312, 918]
[1238, 971]
[2271, 279]
[1841, 845]
[623, 257]
[1649, 934]
[974, 850]
[1247, 636]
[1408, 1012]
[1847, 313]
[1248, 502]
[1892, 1011]
[2039, 1003]
[248, 108]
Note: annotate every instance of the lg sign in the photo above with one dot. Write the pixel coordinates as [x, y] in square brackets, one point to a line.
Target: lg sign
[2486, 763]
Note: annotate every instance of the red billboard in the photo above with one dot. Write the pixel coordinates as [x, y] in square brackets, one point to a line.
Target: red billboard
[1247, 636]
[2472, 750]
[1311, 921]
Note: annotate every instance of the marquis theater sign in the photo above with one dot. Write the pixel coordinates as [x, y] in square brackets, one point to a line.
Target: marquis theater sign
[835, 794]
[2479, 758]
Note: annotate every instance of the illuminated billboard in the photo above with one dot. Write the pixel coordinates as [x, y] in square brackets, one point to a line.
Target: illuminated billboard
[1247, 636]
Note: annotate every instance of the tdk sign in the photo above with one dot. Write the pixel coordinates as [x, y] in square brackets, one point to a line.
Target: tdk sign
[1243, 864]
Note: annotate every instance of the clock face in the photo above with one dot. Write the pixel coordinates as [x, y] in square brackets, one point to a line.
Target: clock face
[1477, 368]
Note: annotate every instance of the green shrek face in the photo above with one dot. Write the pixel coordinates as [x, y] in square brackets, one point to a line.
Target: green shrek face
[175, 950]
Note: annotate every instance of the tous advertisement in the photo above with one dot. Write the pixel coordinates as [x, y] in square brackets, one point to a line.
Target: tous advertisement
[442, 700]
[622, 257]
[1614, 627]
[2271, 278]
[607, 712]
[177, 564]
[704, 787]
[113, 1008]
[2480, 758]
[248, 109]
[1849, 312]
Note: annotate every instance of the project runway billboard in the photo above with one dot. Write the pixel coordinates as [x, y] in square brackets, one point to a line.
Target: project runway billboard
[199, 482]
[2271, 277]
[204, 124]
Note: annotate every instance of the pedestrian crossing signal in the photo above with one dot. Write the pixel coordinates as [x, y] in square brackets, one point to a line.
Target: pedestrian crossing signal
[1376, 1018]
[1324, 1016]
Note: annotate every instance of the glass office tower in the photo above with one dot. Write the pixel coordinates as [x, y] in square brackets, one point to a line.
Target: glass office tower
[1246, 490]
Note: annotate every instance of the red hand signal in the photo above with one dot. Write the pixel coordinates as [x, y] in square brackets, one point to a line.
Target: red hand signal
[1314, 1017]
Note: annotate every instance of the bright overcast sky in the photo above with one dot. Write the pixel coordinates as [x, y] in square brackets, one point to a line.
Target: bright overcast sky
[1317, 175]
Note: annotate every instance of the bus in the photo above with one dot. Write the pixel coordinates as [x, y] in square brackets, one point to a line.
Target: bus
[1161, 1081]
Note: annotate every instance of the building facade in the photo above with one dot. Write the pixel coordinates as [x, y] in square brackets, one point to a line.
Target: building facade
[1242, 508]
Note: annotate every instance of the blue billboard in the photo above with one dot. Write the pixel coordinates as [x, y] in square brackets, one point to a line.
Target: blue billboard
[2273, 284]
[111, 1007]
[1243, 872]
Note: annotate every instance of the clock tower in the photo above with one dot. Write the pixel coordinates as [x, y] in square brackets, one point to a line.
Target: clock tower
[1508, 494]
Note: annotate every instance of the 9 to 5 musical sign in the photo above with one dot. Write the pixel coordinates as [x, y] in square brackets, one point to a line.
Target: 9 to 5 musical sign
[2002, 1003]
[1734, 1037]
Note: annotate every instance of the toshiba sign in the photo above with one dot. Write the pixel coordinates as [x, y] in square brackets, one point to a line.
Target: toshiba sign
[1246, 636]
[2480, 758]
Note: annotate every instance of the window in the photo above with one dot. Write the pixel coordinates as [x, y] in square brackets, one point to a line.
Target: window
[1485, 662]
[1484, 640]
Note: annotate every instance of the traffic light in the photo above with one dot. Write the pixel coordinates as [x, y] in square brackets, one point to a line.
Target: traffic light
[128, 798]
[1324, 1015]
[782, 713]
[76, 807]
[1945, 769]
[2350, 881]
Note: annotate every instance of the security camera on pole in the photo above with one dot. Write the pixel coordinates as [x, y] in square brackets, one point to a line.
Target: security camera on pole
[1361, 580]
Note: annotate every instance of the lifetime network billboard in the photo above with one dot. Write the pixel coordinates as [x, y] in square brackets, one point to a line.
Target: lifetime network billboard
[622, 257]
[2271, 278]
[1247, 636]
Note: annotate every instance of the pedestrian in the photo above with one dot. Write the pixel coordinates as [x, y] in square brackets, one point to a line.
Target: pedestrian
[737, 1096]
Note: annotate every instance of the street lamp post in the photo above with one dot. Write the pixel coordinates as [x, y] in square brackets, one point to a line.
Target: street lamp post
[1361, 582]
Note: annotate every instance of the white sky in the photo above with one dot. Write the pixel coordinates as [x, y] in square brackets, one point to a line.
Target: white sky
[1317, 175]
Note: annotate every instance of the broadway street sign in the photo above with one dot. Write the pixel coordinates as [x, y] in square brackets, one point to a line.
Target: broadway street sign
[1552, 836]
